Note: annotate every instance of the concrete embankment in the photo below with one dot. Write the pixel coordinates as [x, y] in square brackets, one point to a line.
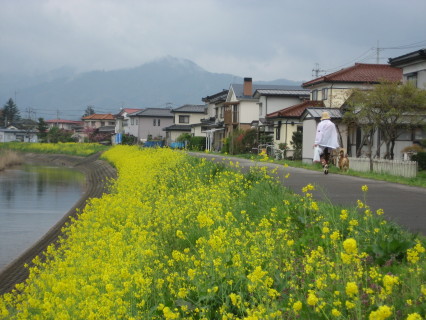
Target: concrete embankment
[97, 172]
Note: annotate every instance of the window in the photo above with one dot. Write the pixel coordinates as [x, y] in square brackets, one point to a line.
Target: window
[325, 94]
[412, 77]
[403, 134]
[314, 95]
[158, 122]
[154, 121]
[102, 123]
[260, 109]
[420, 134]
[132, 121]
[278, 131]
[221, 112]
[183, 119]
[137, 121]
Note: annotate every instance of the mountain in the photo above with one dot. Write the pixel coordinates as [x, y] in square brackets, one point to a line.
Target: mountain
[155, 84]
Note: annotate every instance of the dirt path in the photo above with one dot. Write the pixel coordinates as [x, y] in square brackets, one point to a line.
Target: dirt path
[97, 173]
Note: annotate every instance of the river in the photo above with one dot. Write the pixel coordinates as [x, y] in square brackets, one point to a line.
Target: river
[32, 199]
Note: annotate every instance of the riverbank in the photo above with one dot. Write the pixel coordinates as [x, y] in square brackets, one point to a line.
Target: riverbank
[10, 158]
[97, 172]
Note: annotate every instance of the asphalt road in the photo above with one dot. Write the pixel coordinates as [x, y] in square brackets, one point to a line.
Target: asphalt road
[402, 204]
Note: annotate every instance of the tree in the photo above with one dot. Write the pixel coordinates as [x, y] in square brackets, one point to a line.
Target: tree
[297, 142]
[89, 111]
[42, 129]
[10, 113]
[56, 135]
[389, 107]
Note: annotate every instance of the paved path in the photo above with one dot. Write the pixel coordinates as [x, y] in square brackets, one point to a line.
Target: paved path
[402, 204]
[97, 174]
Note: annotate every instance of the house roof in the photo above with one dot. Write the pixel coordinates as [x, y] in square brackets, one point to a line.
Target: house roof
[178, 127]
[418, 55]
[282, 92]
[316, 113]
[99, 116]
[191, 108]
[153, 112]
[296, 110]
[239, 89]
[64, 121]
[360, 73]
[217, 97]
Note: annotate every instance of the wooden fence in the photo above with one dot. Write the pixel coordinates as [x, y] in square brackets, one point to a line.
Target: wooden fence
[406, 169]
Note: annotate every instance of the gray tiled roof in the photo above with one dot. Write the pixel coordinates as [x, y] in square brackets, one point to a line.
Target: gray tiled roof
[317, 112]
[283, 92]
[191, 108]
[178, 127]
[153, 112]
[239, 88]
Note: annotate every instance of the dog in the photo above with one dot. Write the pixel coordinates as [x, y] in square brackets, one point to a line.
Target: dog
[343, 160]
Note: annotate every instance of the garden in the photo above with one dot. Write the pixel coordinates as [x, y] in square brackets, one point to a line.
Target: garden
[180, 237]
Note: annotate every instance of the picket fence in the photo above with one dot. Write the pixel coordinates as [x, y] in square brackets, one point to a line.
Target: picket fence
[406, 169]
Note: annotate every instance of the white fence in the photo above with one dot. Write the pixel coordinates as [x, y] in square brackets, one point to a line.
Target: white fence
[406, 169]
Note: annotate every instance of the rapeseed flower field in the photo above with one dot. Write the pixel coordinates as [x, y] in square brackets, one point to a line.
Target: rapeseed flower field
[183, 238]
[71, 148]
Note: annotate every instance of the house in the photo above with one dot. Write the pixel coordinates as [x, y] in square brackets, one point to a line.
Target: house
[413, 67]
[69, 125]
[186, 119]
[287, 121]
[213, 124]
[334, 90]
[98, 120]
[149, 123]
[11, 133]
[122, 120]
[243, 109]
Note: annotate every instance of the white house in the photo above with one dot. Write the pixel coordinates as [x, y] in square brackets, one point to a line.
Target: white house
[122, 120]
[149, 123]
[11, 134]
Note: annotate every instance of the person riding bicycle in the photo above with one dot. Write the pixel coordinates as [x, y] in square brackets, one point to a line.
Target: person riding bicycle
[326, 139]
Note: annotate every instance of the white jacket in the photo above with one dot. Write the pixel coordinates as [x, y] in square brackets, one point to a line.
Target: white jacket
[326, 135]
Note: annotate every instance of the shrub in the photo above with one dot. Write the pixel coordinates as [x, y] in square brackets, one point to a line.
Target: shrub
[421, 160]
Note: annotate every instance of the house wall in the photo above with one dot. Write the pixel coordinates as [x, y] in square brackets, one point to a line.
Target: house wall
[420, 68]
[272, 104]
[309, 131]
[196, 132]
[146, 127]
[193, 117]
[336, 95]
[287, 129]
[248, 111]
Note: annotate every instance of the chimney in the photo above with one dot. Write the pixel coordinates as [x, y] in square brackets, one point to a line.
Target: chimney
[248, 87]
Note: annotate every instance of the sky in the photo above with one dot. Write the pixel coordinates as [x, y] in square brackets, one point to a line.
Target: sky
[262, 39]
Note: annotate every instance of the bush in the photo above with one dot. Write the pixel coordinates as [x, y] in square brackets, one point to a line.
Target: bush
[197, 143]
[421, 160]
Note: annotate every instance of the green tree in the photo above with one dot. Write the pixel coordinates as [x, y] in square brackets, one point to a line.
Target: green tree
[296, 142]
[10, 113]
[391, 108]
[89, 111]
[42, 128]
[56, 135]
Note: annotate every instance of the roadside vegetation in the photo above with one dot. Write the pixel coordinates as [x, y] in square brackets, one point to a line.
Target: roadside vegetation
[181, 237]
[71, 148]
[419, 180]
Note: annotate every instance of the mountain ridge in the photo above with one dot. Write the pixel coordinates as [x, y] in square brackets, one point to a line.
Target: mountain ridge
[157, 83]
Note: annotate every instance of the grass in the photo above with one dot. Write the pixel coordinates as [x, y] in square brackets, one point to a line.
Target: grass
[418, 181]
[9, 158]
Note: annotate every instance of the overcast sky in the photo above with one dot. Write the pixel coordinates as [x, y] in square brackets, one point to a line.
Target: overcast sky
[262, 39]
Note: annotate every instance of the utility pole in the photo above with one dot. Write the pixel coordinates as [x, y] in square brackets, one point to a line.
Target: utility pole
[377, 53]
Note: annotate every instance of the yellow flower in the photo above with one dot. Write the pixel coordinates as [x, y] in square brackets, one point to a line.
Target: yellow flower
[344, 214]
[414, 316]
[312, 299]
[364, 188]
[351, 289]
[388, 282]
[383, 312]
[350, 246]
[297, 306]
[349, 305]
[336, 312]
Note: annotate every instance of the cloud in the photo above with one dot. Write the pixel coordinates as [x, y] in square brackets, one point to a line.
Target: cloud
[263, 39]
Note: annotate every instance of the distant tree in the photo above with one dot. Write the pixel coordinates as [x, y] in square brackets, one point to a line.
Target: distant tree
[56, 135]
[42, 129]
[89, 111]
[10, 113]
[391, 108]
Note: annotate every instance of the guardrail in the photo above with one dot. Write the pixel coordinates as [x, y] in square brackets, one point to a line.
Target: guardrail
[406, 169]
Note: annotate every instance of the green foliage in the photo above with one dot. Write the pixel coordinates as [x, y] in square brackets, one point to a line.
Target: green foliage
[129, 139]
[89, 111]
[42, 130]
[197, 143]
[296, 142]
[10, 113]
[420, 157]
[184, 137]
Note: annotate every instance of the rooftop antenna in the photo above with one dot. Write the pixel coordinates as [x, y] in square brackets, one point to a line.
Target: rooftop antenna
[316, 70]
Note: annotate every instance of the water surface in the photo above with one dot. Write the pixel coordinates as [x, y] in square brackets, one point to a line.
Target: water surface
[32, 199]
